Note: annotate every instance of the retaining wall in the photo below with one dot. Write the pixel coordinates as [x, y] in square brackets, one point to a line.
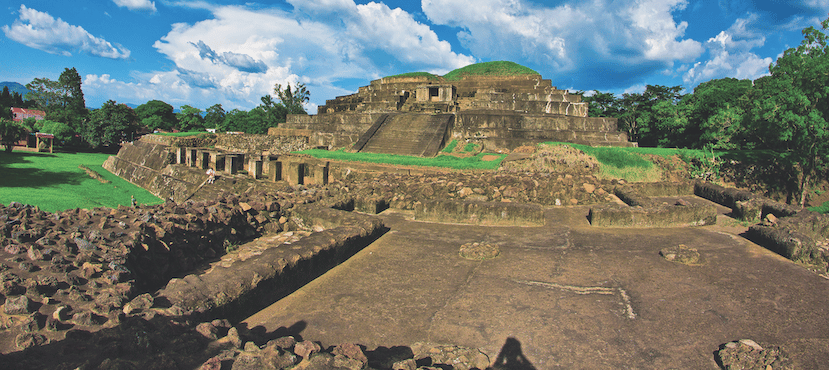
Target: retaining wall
[480, 213]
[643, 211]
[794, 232]
[615, 215]
[248, 286]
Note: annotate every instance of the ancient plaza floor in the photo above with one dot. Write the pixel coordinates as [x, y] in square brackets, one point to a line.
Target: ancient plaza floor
[566, 295]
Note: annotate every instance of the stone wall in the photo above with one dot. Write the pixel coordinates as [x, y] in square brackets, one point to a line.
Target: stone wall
[503, 130]
[143, 164]
[641, 209]
[248, 286]
[480, 213]
[246, 143]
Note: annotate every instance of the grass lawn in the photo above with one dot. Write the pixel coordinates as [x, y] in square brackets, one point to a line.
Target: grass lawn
[823, 208]
[54, 182]
[444, 161]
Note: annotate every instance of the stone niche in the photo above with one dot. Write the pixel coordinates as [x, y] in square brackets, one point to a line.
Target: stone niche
[435, 93]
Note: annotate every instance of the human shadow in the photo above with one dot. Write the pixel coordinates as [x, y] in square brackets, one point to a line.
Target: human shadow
[511, 357]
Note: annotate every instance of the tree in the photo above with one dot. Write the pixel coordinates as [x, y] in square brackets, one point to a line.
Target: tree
[789, 109]
[73, 104]
[600, 104]
[253, 122]
[156, 115]
[63, 133]
[110, 125]
[716, 114]
[293, 100]
[258, 121]
[214, 117]
[62, 100]
[275, 113]
[667, 124]
[44, 92]
[638, 115]
[632, 111]
[6, 99]
[190, 118]
[6, 104]
[235, 120]
[10, 132]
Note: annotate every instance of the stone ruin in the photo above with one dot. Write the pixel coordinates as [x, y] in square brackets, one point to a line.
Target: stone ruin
[166, 286]
[419, 115]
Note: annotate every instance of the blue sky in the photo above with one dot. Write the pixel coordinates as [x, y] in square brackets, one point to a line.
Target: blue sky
[220, 51]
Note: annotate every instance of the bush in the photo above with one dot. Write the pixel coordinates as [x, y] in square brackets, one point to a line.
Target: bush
[10, 132]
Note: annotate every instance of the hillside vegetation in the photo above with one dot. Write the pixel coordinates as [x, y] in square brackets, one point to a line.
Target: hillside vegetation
[497, 68]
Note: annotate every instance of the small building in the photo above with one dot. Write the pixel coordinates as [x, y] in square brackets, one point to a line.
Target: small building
[22, 113]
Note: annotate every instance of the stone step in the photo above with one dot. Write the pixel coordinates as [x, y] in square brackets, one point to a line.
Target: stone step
[409, 134]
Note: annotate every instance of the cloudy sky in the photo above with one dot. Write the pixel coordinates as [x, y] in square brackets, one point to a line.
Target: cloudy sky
[232, 52]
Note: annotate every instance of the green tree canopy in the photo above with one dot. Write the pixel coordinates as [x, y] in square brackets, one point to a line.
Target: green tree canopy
[293, 99]
[600, 104]
[156, 115]
[62, 100]
[110, 125]
[10, 132]
[789, 108]
[63, 133]
[214, 117]
[716, 114]
[190, 118]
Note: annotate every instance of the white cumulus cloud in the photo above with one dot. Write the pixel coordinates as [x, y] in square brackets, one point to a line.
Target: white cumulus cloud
[618, 34]
[239, 54]
[730, 55]
[41, 31]
[145, 5]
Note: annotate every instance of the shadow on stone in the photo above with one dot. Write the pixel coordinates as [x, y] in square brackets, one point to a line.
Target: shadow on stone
[512, 357]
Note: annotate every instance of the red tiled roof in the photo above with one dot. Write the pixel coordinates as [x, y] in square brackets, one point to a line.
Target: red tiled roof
[22, 113]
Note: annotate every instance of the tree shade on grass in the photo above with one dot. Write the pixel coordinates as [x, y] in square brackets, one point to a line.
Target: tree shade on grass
[54, 182]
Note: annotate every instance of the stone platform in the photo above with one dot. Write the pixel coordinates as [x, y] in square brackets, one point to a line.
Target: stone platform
[564, 295]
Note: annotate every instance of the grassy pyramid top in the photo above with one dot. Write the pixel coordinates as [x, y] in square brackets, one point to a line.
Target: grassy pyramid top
[498, 68]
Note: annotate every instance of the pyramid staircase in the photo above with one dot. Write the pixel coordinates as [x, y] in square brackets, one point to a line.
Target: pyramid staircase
[414, 134]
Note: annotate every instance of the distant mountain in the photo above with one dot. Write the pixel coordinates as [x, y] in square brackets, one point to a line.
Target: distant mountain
[14, 86]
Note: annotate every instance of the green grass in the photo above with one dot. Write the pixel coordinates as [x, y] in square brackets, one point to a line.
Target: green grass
[54, 182]
[450, 147]
[442, 161]
[181, 134]
[471, 147]
[823, 208]
[499, 68]
[629, 163]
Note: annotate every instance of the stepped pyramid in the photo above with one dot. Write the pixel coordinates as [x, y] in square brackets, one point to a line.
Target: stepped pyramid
[417, 115]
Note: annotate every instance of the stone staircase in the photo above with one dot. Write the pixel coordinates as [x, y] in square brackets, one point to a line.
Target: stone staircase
[412, 134]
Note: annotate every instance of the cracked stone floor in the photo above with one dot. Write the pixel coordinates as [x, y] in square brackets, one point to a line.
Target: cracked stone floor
[573, 296]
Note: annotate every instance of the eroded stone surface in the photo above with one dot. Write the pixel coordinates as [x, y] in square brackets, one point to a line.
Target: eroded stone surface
[682, 254]
[479, 251]
[747, 354]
